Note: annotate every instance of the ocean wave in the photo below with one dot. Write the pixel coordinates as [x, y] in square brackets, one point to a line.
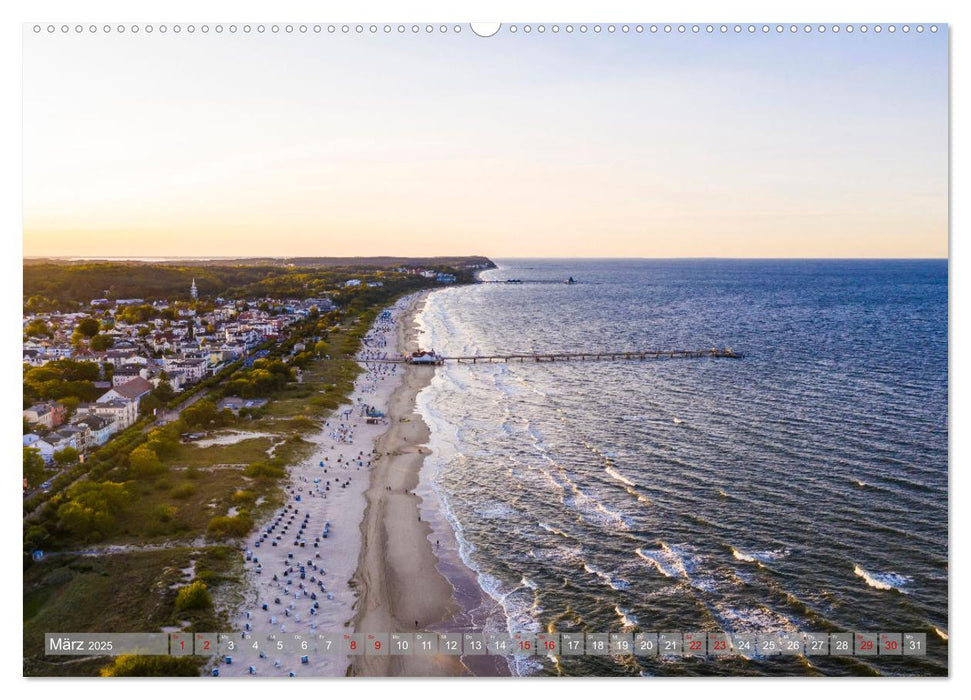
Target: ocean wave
[496, 510]
[762, 557]
[883, 581]
[751, 619]
[531, 388]
[666, 559]
[619, 477]
[638, 495]
[595, 511]
[627, 619]
[558, 555]
[591, 509]
[517, 603]
[614, 582]
[556, 531]
[742, 556]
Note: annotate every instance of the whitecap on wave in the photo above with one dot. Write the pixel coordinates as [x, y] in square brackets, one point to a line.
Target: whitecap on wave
[518, 604]
[760, 557]
[751, 619]
[619, 477]
[626, 618]
[566, 556]
[883, 581]
[590, 508]
[615, 582]
[496, 511]
[668, 560]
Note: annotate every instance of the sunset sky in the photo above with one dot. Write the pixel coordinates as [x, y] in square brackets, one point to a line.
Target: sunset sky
[517, 145]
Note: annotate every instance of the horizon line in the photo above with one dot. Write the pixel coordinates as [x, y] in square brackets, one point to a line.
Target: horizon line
[204, 258]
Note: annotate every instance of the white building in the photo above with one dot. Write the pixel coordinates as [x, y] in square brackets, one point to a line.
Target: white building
[69, 436]
[125, 373]
[192, 370]
[123, 412]
[100, 428]
[132, 390]
[45, 448]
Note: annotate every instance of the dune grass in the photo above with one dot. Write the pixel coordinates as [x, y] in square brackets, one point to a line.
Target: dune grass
[129, 592]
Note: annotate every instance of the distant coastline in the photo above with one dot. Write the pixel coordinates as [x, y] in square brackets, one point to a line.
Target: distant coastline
[295, 261]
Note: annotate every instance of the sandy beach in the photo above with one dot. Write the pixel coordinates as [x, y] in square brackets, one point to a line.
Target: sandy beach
[377, 568]
[401, 589]
[300, 581]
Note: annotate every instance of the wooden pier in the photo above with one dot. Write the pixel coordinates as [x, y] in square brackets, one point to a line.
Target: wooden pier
[590, 356]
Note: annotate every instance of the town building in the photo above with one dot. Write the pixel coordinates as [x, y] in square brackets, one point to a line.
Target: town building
[50, 414]
[45, 448]
[100, 428]
[122, 411]
[132, 390]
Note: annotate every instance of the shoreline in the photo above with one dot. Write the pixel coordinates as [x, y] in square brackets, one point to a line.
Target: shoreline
[406, 583]
[390, 562]
[401, 589]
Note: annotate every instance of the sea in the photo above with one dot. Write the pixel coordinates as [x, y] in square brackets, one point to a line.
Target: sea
[800, 487]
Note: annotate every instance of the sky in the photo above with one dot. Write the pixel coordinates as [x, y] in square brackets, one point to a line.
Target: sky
[517, 145]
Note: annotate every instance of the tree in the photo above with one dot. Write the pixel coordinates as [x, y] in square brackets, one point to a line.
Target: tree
[84, 522]
[199, 414]
[164, 392]
[163, 444]
[88, 327]
[36, 537]
[33, 466]
[37, 304]
[65, 456]
[102, 342]
[67, 370]
[70, 404]
[148, 404]
[38, 328]
[145, 463]
[106, 495]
